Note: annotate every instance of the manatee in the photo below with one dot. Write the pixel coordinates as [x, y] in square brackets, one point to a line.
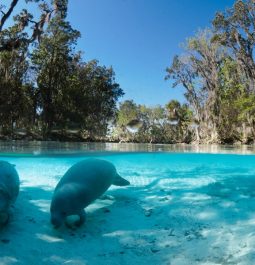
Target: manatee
[9, 190]
[83, 183]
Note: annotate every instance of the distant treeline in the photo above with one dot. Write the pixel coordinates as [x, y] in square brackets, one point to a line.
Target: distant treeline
[217, 71]
[48, 92]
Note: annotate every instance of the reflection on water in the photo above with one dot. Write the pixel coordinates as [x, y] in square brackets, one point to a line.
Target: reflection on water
[47, 148]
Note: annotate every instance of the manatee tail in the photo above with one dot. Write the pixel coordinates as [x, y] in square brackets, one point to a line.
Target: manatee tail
[119, 181]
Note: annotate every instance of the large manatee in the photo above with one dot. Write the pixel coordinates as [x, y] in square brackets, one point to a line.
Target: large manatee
[82, 184]
[9, 189]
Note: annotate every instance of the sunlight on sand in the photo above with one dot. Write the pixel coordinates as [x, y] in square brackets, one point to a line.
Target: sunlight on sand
[49, 239]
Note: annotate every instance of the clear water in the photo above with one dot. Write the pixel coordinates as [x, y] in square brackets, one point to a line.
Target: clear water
[182, 207]
[145, 169]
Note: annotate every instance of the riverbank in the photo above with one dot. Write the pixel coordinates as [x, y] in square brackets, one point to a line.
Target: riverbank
[75, 135]
[14, 147]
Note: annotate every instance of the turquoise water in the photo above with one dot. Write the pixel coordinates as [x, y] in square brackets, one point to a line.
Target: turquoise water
[181, 208]
[145, 168]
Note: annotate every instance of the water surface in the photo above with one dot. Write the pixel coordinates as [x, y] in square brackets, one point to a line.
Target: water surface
[185, 205]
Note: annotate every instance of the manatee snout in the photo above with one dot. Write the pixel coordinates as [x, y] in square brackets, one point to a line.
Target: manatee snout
[56, 220]
[119, 181]
[57, 213]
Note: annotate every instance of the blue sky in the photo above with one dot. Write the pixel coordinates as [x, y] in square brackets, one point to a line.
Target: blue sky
[139, 39]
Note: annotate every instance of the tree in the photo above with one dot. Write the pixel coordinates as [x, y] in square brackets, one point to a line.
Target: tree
[14, 103]
[183, 73]
[180, 116]
[153, 120]
[51, 89]
[92, 98]
[153, 126]
[53, 62]
[25, 20]
[199, 74]
[128, 111]
[235, 30]
[231, 90]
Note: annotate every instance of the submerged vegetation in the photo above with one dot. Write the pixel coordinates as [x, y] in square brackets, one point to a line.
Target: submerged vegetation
[47, 90]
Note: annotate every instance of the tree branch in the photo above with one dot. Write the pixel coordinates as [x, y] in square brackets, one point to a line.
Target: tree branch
[6, 15]
[15, 43]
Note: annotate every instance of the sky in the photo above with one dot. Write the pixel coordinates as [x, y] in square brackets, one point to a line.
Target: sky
[139, 39]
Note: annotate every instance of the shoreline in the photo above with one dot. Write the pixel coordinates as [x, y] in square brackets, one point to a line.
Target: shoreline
[37, 148]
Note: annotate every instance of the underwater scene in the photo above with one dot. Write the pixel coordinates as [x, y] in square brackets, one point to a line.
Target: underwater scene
[181, 207]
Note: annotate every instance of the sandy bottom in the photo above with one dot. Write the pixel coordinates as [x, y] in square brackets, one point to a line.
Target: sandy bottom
[168, 217]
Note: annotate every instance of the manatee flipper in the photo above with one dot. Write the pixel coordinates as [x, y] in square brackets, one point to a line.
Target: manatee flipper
[119, 181]
[74, 224]
[82, 216]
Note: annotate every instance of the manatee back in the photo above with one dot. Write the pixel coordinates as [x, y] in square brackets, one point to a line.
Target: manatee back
[9, 180]
[95, 174]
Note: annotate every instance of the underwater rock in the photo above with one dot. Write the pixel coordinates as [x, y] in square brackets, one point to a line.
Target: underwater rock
[148, 212]
[154, 250]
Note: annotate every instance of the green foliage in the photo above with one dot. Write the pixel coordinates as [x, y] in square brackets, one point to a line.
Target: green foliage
[218, 74]
[52, 62]
[73, 93]
[235, 29]
[92, 97]
[128, 111]
[156, 123]
[13, 96]
[52, 90]
[247, 108]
